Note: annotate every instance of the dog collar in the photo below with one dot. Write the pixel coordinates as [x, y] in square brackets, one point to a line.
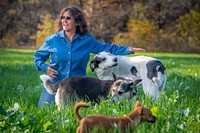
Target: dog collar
[132, 122]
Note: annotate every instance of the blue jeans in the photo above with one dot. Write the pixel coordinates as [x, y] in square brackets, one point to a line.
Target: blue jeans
[46, 98]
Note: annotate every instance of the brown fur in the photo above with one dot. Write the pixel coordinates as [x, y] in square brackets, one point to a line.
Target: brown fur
[138, 115]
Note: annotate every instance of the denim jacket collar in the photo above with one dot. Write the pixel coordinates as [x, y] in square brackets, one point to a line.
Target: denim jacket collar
[62, 35]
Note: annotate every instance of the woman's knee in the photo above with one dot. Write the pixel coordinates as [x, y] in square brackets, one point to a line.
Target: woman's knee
[46, 98]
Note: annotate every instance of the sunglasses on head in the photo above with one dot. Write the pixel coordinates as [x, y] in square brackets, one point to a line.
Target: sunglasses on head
[65, 18]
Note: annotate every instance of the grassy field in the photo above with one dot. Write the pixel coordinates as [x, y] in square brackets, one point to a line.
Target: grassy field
[178, 109]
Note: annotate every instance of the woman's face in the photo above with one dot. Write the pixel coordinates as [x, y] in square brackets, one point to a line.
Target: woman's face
[68, 22]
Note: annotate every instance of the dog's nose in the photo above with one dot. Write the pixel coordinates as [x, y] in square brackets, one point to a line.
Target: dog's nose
[134, 94]
[120, 92]
[115, 59]
[153, 119]
[114, 99]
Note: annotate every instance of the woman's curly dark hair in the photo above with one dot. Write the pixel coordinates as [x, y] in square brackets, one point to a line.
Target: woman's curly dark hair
[78, 16]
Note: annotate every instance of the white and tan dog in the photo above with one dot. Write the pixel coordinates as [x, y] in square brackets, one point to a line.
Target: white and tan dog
[149, 69]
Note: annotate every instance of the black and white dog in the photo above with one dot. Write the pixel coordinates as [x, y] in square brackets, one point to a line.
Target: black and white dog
[81, 87]
[149, 69]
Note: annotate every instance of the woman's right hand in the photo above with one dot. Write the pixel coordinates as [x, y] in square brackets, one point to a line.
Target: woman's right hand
[51, 72]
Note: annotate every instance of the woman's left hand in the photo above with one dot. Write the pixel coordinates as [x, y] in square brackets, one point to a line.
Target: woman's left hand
[132, 50]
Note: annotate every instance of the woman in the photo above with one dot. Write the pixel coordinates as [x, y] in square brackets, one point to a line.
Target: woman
[69, 49]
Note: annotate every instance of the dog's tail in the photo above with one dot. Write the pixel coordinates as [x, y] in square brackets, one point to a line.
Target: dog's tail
[76, 108]
[48, 84]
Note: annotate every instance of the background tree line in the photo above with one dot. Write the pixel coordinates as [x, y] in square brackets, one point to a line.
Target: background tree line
[156, 25]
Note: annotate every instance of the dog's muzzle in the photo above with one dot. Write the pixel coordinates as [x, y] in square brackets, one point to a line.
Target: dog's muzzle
[115, 59]
[113, 65]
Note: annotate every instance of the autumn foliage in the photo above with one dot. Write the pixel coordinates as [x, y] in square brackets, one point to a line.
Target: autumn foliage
[45, 28]
[157, 26]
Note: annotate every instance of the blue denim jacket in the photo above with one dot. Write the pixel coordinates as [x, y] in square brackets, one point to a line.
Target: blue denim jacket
[71, 58]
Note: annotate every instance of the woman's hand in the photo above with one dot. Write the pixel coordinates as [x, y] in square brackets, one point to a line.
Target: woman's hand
[51, 72]
[132, 50]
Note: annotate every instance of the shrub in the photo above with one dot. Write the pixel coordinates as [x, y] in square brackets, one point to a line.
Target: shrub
[144, 32]
[140, 30]
[189, 25]
[45, 29]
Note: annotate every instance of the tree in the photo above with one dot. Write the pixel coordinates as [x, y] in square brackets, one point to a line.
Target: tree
[140, 32]
[45, 29]
[189, 27]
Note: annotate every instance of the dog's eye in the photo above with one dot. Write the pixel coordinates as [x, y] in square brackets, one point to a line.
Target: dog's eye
[130, 82]
[103, 59]
[117, 84]
[134, 93]
[120, 92]
[131, 85]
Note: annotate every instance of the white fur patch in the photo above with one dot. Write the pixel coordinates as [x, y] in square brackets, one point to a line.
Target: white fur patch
[45, 78]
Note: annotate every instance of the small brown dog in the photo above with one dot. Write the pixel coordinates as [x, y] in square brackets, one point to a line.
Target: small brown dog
[138, 115]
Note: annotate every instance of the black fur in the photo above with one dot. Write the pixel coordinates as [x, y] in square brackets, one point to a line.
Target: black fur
[151, 68]
[134, 71]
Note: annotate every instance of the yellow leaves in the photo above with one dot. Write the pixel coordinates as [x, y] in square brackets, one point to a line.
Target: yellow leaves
[154, 111]
[47, 124]
[12, 11]
[189, 25]
[142, 28]
[139, 32]
[45, 29]
[123, 39]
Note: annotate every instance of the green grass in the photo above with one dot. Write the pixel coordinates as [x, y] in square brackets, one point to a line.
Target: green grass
[178, 109]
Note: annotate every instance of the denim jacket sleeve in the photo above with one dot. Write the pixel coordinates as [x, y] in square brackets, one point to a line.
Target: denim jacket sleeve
[41, 56]
[97, 47]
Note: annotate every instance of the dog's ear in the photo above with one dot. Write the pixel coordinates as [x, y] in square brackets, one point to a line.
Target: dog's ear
[138, 107]
[137, 82]
[92, 66]
[140, 110]
[114, 76]
[137, 104]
